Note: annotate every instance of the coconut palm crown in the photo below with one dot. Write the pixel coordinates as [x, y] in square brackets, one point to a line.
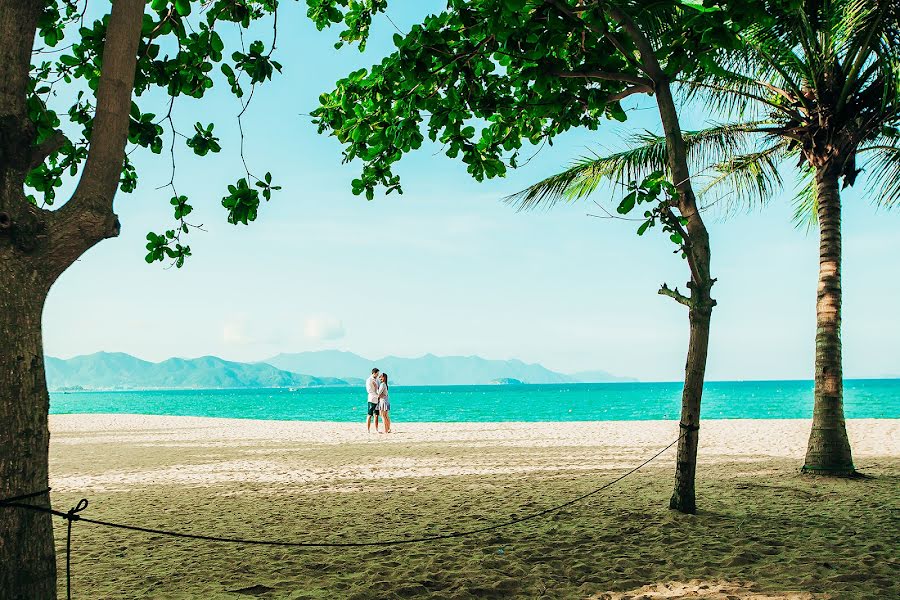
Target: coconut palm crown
[814, 82]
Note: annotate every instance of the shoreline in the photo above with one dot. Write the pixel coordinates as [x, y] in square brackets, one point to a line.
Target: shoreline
[74, 390]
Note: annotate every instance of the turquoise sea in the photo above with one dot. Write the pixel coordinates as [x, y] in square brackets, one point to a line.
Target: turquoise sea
[863, 398]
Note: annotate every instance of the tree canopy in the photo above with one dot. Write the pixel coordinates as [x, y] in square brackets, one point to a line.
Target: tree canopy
[484, 77]
[181, 54]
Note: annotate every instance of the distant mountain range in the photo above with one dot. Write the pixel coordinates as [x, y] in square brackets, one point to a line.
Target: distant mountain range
[431, 369]
[117, 370]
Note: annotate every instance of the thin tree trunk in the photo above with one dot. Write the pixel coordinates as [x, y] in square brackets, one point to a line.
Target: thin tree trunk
[828, 450]
[683, 496]
[697, 252]
[700, 303]
[27, 563]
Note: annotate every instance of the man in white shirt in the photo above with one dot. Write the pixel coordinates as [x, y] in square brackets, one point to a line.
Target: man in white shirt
[372, 391]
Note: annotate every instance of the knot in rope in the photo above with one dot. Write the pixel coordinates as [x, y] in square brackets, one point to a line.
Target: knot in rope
[688, 428]
[72, 514]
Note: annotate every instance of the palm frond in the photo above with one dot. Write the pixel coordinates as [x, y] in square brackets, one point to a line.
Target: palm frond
[554, 189]
[730, 94]
[705, 148]
[883, 180]
[747, 180]
[806, 202]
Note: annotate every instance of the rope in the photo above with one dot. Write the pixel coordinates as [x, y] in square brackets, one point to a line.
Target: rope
[72, 515]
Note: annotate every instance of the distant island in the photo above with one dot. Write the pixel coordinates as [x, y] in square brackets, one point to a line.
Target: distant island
[327, 368]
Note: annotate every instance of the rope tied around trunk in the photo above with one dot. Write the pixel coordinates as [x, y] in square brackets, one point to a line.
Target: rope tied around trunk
[73, 515]
[687, 428]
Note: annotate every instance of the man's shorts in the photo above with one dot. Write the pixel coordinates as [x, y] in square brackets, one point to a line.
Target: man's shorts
[373, 408]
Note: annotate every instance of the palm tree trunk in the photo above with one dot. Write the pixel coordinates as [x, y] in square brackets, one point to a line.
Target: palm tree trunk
[828, 450]
[27, 563]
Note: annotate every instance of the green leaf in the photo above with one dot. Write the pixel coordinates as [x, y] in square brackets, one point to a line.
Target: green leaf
[183, 7]
[627, 204]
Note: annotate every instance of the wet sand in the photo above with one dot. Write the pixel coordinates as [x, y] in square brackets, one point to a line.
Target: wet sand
[763, 531]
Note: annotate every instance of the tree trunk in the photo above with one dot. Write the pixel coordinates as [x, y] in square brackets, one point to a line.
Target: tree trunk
[828, 450]
[36, 246]
[684, 497]
[27, 563]
[700, 303]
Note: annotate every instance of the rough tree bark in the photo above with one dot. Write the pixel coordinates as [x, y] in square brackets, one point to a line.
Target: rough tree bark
[828, 450]
[27, 563]
[697, 252]
[36, 246]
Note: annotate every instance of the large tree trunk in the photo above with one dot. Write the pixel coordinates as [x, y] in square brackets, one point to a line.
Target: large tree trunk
[27, 564]
[36, 246]
[828, 450]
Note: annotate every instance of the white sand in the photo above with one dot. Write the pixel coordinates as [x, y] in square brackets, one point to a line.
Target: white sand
[276, 451]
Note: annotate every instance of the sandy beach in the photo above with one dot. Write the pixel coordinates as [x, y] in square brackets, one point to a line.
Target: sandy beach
[763, 531]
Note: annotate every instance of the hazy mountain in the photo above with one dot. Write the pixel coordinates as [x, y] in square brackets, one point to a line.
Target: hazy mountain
[425, 370]
[116, 370]
[324, 363]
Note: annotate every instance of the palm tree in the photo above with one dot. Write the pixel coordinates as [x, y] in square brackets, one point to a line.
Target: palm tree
[818, 83]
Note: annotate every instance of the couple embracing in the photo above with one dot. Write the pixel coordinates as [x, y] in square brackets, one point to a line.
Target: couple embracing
[379, 404]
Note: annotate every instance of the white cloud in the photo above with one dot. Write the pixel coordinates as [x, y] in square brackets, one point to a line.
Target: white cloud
[235, 332]
[324, 328]
[241, 330]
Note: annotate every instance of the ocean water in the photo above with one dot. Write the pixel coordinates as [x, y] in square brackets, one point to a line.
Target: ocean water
[863, 398]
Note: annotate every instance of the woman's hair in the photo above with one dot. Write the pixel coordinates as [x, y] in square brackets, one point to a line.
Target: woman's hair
[384, 377]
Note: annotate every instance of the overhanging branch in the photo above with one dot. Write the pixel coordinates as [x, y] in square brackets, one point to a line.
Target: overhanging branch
[649, 62]
[88, 216]
[629, 91]
[606, 76]
[103, 166]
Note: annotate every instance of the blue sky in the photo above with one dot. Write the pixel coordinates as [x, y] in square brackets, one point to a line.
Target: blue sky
[447, 268]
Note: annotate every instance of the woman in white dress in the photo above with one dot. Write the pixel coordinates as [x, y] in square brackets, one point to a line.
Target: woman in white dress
[384, 402]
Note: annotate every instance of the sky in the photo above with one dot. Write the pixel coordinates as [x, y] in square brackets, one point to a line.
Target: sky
[447, 268]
